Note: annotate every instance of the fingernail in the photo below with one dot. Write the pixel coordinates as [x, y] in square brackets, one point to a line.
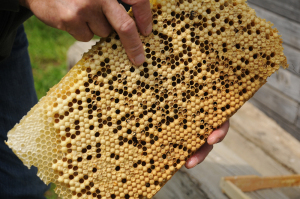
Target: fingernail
[212, 141]
[149, 29]
[188, 164]
[138, 60]
[216, 140]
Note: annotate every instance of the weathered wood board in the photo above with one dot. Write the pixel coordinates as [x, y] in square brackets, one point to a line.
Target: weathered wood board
[224, 162]
[286, 82]
[258, 159]
[253, 154]
[265, 133]
[277, 102]
[289, 127]
[287, 8]
[181, 186]
[293, 58]
[298, 119]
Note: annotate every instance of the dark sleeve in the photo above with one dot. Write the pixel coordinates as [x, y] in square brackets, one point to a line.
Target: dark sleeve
[10, 5]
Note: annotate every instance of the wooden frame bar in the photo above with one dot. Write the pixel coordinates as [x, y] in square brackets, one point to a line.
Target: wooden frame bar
[235, 186]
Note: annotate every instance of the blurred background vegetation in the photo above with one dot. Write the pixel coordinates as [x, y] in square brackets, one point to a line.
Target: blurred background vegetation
[48, 51]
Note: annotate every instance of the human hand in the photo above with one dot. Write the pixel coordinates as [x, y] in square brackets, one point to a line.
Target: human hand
[215, 137]
[84, 19]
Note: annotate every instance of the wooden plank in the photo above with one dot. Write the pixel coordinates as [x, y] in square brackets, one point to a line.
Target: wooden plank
[253, 154]
[223, 162]
[291, 128]
[231, 190]
[272, 139]
[181, 186]
[293, 58]
[287, 28]
[253, 183]
[298, 119]
[258, 159]
[287, 8]
[287, 83]
[279, 103]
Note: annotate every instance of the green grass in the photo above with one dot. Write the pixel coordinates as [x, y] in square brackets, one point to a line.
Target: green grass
[50, 194]
[48, 49]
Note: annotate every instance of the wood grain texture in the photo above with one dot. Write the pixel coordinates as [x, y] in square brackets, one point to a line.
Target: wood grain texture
[264, 132]
[231, 190]
[293, 58]
[287, 8]
[223, 162]
[253, 183]
[258, 158]
[289, 127]
[253, 154]
[298, 119]
[278, 102]
[287, 83]
[287, 28]
[181, 186]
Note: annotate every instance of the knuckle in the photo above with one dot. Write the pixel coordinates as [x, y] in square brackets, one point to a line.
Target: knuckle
[127, 26]
[66, 20]
[67, 17]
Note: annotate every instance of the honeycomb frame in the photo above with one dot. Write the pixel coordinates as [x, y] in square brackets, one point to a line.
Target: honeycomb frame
[110, 129]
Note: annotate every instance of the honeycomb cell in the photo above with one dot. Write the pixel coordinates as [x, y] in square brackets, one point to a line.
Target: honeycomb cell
[113, 130]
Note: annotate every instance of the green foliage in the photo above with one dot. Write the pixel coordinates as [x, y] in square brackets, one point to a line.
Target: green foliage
[50, 194]
[48, 49]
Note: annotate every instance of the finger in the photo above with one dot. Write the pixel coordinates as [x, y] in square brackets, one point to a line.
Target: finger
[142, 13]
[219, 134]
[80, 31]
[99, 24]
[126, 28]
[199, 156]
[68, 20]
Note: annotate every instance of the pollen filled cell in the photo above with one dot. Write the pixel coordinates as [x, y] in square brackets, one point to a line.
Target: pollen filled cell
[110, 129]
